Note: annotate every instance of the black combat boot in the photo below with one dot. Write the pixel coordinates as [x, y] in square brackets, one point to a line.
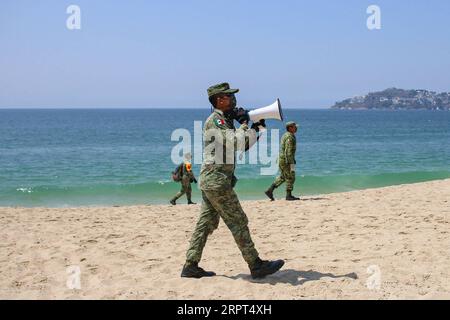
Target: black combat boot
[263, 268]
[290, 197]
[172, 202]
[190, 201]
[269, 192]
[192, 270]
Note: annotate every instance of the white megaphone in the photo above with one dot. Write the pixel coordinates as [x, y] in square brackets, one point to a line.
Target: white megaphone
[270, 112]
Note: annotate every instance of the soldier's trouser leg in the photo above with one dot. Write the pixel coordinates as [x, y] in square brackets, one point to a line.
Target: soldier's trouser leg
[226, 204]
[206, 224]
[282, 177]
[279, 181]
[188, 189]
[287, 176]
[180, 193]
[290, 180]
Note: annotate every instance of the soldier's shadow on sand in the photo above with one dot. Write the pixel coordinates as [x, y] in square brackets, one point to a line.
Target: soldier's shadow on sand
[313, 199]
[294, 277]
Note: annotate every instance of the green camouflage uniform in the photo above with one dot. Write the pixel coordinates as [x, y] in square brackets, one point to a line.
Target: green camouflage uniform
[285, 160]
[186, 188]
[216, 183]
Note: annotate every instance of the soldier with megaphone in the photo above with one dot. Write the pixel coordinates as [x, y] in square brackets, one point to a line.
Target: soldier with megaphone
[217, 181]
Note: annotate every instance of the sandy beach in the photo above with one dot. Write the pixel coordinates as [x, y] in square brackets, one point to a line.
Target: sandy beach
[388, 243]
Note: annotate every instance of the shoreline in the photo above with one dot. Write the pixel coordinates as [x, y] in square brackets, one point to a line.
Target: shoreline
[241, 198]
[336, 246]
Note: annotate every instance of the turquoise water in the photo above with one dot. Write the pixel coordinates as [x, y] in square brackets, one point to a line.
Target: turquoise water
[120, 157]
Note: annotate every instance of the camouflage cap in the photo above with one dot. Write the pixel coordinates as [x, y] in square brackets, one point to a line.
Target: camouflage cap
[291, 123]
[221, 88]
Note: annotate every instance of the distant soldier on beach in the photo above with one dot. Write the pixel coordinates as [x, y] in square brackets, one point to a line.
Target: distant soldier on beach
[217, 181]
[286, 163]
[186, 176]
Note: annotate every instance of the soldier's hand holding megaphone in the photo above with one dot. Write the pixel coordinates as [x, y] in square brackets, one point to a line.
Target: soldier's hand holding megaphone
[257, 126]
[241, 115]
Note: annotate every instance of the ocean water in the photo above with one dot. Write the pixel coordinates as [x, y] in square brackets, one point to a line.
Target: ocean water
[85, 157]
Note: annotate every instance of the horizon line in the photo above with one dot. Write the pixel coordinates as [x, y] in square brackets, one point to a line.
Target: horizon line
[137, 108]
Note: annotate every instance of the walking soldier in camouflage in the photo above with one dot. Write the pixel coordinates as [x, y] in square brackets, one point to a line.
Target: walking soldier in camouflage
[286, 163]
[217, 180]
[187, 177]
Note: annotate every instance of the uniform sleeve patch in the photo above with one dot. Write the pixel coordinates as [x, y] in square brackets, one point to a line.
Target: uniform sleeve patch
[219, 122]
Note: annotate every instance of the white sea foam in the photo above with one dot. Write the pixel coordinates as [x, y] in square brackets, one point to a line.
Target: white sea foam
[25, 190]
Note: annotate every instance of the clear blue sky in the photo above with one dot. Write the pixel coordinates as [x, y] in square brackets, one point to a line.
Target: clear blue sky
[166, 53]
